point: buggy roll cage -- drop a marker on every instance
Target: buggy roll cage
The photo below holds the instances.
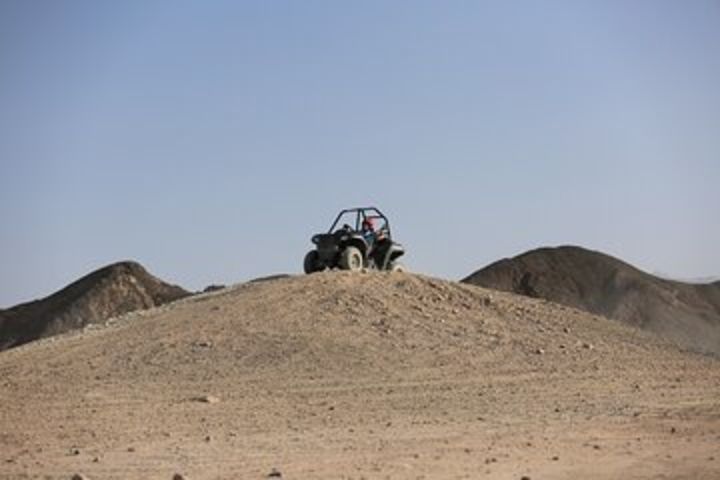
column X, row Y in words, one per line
column 361, row 214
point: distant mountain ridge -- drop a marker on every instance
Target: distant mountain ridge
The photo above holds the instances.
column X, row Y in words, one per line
column 112, row 290
column 685, row 313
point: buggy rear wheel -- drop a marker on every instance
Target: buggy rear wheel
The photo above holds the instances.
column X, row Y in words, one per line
column 397, row 267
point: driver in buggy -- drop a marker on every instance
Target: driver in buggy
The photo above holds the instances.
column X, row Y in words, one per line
column 374, row 239
column 368, row 232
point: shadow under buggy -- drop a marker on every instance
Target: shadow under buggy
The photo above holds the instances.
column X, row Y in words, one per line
column 358, row 238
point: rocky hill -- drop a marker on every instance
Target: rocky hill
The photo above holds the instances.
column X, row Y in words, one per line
column 341, row 375
column 687, row 314
column 113, row 290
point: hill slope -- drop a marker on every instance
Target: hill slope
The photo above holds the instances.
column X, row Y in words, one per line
column 338, row 375
column 113, row 290
column 687, row 314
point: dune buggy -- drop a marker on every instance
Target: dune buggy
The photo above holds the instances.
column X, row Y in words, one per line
column 358, row 238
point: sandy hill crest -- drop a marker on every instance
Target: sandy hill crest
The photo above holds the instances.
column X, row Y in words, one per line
column 341, row 375
column 112, row 290
column 687, row 314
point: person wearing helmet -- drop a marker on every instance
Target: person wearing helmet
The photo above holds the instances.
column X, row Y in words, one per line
column 375, row 239
column 368, row 232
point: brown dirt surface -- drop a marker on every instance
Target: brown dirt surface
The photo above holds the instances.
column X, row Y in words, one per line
column 684, row 313
column 350, row 376
column 112, row 290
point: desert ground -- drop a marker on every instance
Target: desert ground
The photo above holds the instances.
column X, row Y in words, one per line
column 358, row 375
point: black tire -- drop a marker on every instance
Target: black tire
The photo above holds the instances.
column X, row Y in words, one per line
column 312, row 262
column 351, row 259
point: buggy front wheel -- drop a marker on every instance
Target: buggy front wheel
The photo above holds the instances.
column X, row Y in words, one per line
column 351, row 259
column 312, row 262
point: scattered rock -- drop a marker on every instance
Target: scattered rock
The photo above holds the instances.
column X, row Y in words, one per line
column 207, row 399
column 555, row 458
column 179, row 476
column 539, row 351
column 673, row 430
column 74, row 451
column 204, row 344
column 79, row 476
column 588, row 346
column 566, row 330
column 525, row 477
column 274, row 473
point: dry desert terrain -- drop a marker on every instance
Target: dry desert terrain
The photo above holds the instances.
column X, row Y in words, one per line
column 351, row 376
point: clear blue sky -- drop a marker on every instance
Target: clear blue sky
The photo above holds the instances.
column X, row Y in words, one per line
column 209, row 139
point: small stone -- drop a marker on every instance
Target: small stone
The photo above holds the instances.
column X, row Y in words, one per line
column 207, row 439
column 74, row 451
column 207, row 399
column 539, row 351
column 566, row 330
column 673, row 430
column 587, row 346
column 179, row 476
column 79, row 476
column 596, row 447
column 131, row 449
column 555, row 458
column 274, row 473
column 525, row 477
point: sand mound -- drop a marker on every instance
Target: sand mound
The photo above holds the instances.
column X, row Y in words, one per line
column 338, row 375
column 687, row 314
column 113, row 290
